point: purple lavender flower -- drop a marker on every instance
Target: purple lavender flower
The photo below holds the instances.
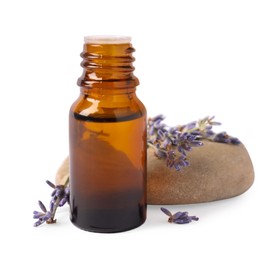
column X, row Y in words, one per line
column 44, row 216
column 59, row 197
column 173, row 143
column 186, row 141
column 172, row 160
column 60, row 193
column 179, row 217
column 164, row 139
column 155, row 123
column 190, row 125
column 223, row 137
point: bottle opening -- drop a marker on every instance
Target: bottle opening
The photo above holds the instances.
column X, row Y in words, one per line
column 107, row 39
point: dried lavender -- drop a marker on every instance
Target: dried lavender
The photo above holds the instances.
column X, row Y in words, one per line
column 163, row 139
column 223, row 137
column 173, row 143
column 179, row 217
column 59, row 197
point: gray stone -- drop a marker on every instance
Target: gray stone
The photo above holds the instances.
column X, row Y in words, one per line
column 217, row 171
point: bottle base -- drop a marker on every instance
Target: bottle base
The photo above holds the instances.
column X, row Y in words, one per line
column 109, row 220
column 107, row 230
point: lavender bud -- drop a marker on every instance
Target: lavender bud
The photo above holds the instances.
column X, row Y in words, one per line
column 173, row 130
column 160, row 134
column 151, row 130
column 177, row 167
column 52, row 206
column 197, row 143
column 54, row 199
column 179, row 214
column 157, row 125
column 38, row 215
column 51, row 184
column 174, row 141
column 165, row 143
column 182, row 221
column 196, row 132
column 171, row 155
column 38, row 223
column 186, row 163
column 169, row 163
column 209, row 133
column 158, row 117
column 42, row 219
column 41, row 205
column 62, row 202
column 59, row 192
column 187, row 147
column 166, row 212
column 183, row 136
column 191, row 125
column 160, row 153
column 235, row 140
column 191, row 138
column 179, row 217
column 182, row 150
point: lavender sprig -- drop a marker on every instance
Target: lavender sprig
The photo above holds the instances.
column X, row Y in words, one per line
column 179, row 217
column 223, row 137
column 173, row 143
column 163, row 139
column 203, row 129
column 59, row 197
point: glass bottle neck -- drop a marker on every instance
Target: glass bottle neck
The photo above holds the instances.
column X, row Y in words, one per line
column 108, row 69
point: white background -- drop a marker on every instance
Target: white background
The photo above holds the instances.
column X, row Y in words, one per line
column 193, row 58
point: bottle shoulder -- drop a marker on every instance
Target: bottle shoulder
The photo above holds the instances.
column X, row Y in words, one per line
column 108, row 108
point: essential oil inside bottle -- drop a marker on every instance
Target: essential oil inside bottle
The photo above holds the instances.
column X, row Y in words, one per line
column 107, row 142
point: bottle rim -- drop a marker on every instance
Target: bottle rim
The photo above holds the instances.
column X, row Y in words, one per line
column 107, row 39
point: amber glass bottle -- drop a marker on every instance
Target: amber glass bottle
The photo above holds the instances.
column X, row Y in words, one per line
column 107, row 130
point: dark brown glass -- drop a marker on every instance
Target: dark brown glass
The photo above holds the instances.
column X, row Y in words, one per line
column 107, row 126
